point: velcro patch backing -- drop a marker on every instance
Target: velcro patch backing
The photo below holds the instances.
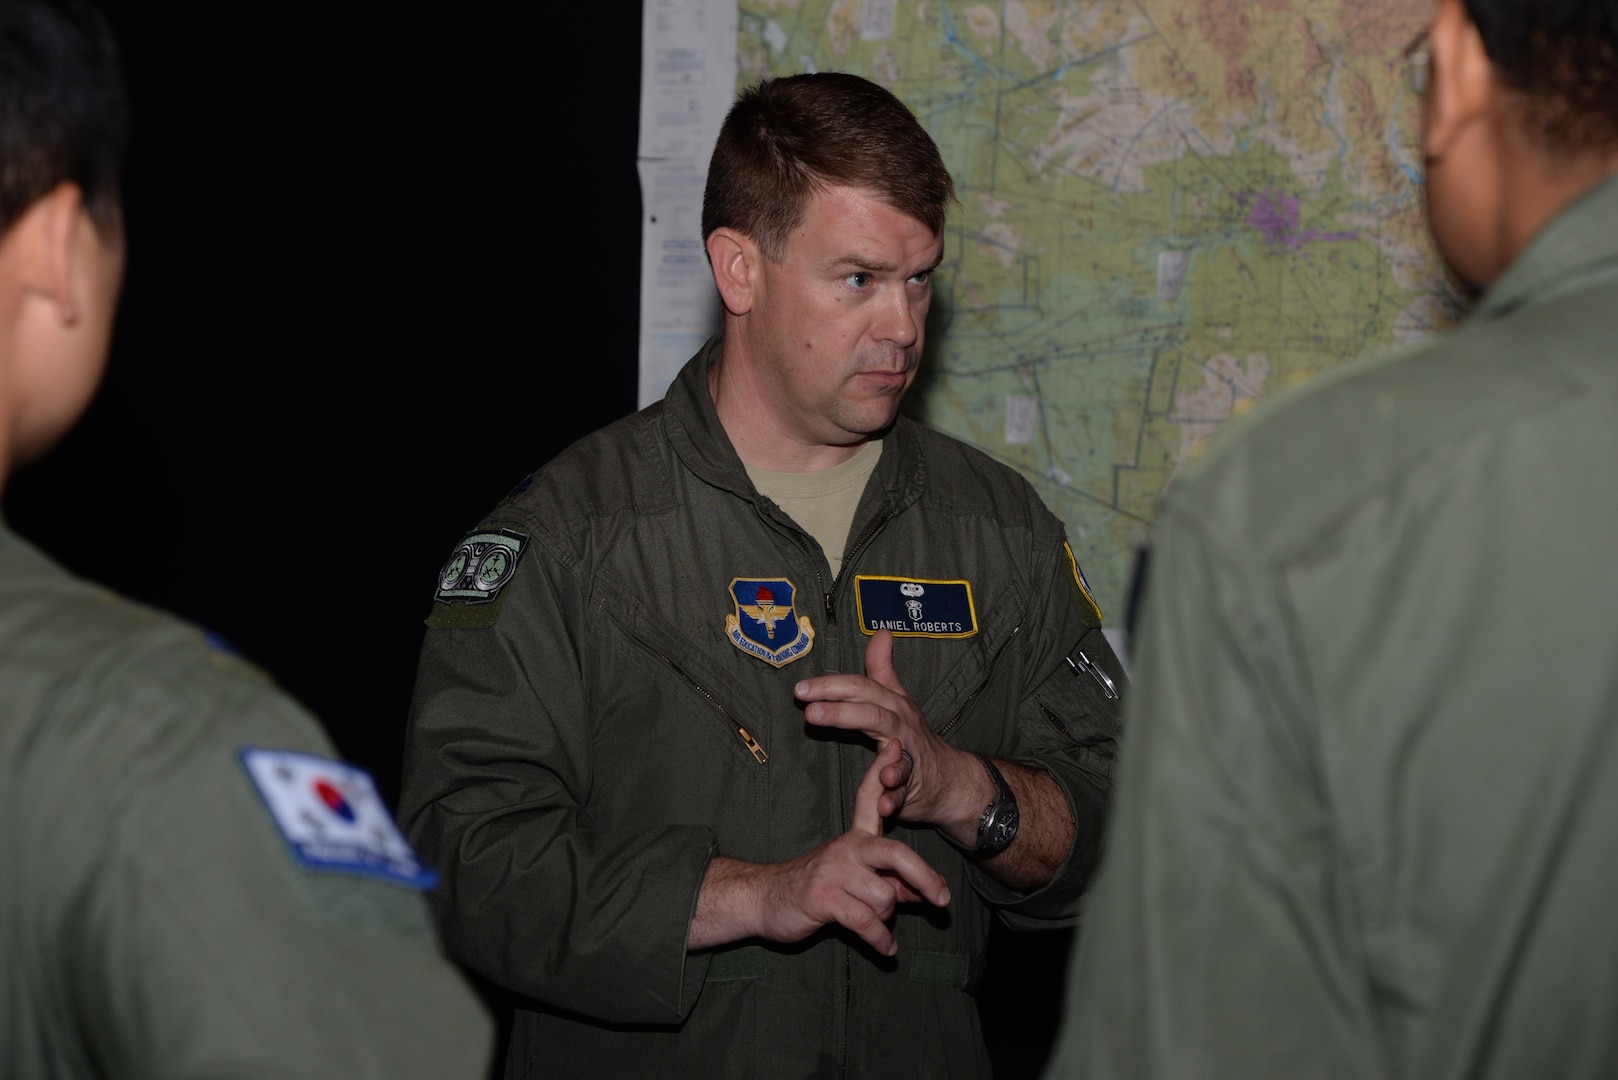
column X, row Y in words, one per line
column 471, row 586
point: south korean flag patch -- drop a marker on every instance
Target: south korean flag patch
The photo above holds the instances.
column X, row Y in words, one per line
column 332, row 817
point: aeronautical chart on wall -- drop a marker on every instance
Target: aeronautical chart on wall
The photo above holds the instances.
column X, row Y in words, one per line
column 1167, row 210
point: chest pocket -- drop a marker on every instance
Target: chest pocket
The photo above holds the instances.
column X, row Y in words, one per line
column 949, row 637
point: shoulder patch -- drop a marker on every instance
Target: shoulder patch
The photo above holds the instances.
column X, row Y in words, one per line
column 915, row 607
column 480, row 566
column 332, row 817
column 1086, row 601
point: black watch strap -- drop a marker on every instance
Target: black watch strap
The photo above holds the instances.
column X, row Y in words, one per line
column 997, row 826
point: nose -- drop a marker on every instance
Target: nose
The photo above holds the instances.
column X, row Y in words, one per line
column 902, row 319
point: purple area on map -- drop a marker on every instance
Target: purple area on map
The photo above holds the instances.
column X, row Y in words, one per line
column 1275, row 214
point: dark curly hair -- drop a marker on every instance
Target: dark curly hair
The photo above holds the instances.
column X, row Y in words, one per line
column 1561, row 59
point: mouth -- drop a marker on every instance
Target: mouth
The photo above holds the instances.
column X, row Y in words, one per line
column 885, row 382
column 898, row 366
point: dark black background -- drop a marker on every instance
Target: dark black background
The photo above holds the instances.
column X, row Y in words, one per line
column 383, row 260
column 380, row 265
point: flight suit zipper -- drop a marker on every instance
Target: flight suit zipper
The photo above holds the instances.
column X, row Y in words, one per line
column 848, row 950
column 829, row 602
column 831, row 618
column 848, row 560
column 828, row 596
column 752, row 744
column 943, row 732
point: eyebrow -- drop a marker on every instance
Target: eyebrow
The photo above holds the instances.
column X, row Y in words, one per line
column 850, row 263
column 855, row 262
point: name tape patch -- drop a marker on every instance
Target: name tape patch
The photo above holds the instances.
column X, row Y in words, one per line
column 764, row 622
column 480, row 567
column 332, row 816
column 915, row 607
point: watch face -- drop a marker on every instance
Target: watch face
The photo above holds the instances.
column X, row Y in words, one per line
column 1003, row 830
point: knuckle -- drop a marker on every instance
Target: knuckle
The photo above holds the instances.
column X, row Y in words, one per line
column 861, row 919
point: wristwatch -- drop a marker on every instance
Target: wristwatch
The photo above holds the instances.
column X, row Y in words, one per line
column 997, row 828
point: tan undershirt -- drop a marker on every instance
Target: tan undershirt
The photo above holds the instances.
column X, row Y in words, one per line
column 823, row 502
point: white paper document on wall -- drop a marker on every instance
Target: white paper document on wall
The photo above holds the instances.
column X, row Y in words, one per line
column 688, row 80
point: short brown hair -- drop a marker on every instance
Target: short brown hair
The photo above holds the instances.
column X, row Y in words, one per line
column 786, row 139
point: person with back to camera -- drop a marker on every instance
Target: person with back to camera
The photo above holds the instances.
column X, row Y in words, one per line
column 193, row 887
column 674, row 818
column 1366, row 806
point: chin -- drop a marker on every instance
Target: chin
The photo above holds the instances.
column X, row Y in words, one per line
column 1464, row 250
column 853, row 430
column 33, row 445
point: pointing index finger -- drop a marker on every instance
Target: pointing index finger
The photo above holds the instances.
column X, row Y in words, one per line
column 867, row 816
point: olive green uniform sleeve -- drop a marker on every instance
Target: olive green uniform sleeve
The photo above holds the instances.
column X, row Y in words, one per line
column 175, row 936
column 215, row 955
column 546, row 890
column 1066, row 722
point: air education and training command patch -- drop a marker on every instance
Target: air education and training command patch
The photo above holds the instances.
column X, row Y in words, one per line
column 915, row 607
column 332, row 817
column 764, row 625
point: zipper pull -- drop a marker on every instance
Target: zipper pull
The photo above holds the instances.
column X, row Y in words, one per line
column 752, row 744
column 831, row 610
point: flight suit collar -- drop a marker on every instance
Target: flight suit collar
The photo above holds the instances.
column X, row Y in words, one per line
column 1580, row 240
column 700, row 442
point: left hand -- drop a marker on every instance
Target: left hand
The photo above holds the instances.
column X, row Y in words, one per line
column 916, row 788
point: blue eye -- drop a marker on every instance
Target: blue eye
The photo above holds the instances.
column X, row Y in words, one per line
column 922, row 278
column 859, row 280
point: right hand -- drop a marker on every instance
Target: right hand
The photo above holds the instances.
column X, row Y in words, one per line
column 855, row 880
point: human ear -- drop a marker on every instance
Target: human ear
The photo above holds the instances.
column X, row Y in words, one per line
column 1462, row 85
column 733, row 256
column 47, row 235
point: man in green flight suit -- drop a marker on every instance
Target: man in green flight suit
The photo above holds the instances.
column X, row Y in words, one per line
column 192, row 886
column 1365, row 822
column 739, row 723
